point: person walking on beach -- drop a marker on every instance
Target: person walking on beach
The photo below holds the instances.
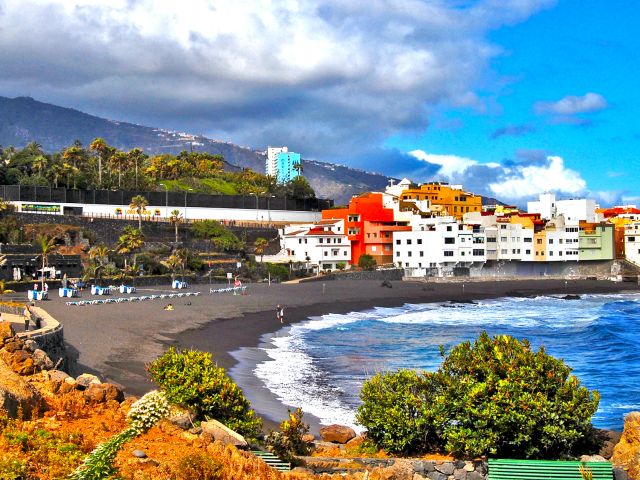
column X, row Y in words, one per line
column 280, row 313
column 27, row 317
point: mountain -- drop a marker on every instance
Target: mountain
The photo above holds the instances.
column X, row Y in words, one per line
column 23, row 120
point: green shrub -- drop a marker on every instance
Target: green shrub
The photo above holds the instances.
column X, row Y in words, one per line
column 191, row 380
column 288, row 442
column 222, row 238
column 367, row 262
column 493, row 397
column 198, row 466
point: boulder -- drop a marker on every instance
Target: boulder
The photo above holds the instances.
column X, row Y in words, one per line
column 337, row 433
column 218, row 431
column 18, row 395
column 592, row 458
column 6, row 332
column 626, row 454
column 83, row 381
column 42, row 360
column 181, row 418
column 58, row 376
column 608, row 440
column 308, row 438
column 13, row 345
column 31, row 345
column 19, row 361
column 102, row 392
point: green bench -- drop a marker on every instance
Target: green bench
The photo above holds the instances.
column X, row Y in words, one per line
column 506, row 469
column 271, row 460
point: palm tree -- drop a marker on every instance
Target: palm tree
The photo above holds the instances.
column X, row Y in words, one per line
column 104, row 152
column 4, row 290
column 136, row 156
column 173, row 264
column 129, row 242
column 176, row 219
column 46, row 246
column 99, row 254
column 40, row 164
column 139, row 204
column 73, row 155
column 260, row 244
column 298, row 168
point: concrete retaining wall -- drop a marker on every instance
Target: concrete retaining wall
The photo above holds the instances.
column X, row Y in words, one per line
column 379, row 275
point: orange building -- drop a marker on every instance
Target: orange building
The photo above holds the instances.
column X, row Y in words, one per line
column 620, row 217
column 369, row 226
column 448, row 199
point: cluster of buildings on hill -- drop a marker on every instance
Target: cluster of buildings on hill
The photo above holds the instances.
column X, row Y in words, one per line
column 436, row 229
column 282, row 164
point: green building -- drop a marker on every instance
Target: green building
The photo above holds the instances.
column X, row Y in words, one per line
column 596, row 241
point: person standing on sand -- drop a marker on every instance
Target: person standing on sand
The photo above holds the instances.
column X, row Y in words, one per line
column 27, row 317
column 280, row 313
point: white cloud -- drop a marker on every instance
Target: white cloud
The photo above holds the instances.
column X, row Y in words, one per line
column 572, row 105
column 451, row 165
column 525, row 181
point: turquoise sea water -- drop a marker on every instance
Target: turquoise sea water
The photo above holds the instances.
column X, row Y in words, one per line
column 321, row 364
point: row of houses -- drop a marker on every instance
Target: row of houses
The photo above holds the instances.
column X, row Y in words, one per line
column 439, row 229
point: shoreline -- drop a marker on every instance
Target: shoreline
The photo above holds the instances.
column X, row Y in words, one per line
column 115, row 341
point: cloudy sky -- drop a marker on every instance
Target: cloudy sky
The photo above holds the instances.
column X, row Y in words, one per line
column 508, row 97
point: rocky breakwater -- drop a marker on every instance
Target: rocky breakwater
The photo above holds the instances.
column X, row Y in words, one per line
column 626, row 454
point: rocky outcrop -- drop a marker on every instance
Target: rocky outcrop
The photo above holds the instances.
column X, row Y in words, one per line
column 102, row 392
column 16, row 395
column 217, row 431
column 22, row 356
column 337, row 434
column 626, row 454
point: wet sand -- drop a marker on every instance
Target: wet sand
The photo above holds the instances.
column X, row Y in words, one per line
column 116, row 341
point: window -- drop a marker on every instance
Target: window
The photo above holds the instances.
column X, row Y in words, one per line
column 551, row 241
column 353, row 218
column 559, row 254
column 449, row 228
column 513, row 251
column 293, row 252
column 491, row 239
column 374, row 248
column 503, row 239
column 299, row 240
column 397, row 254
column 449, row 240
column 398, row 242
column 408, row 241
column 421, row 253
column 409, row 253
column 406, row 264
column 539, row 241
column 478, row 252
column 387, row 247
column 527, row 252
column 448, row 253
column 503, row 227
column 551, row 254
column 419, row 241
column 632, row 239
column 345, row 253
column 326, row 254
column 528, row 239
column 560, row 241
column 462, row 239
column 320, row 240
column 503, row 251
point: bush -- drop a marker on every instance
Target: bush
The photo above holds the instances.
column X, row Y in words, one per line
column 191, row 380
column 198, row 466
column 367, row 262
column 288, row 442
column 493, row 397
column 222, row 238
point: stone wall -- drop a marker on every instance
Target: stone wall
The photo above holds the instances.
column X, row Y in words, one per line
column 379, row 275
column 401, row 468
column 50, row 337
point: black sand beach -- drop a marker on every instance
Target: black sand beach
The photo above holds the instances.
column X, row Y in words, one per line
column 115, row 341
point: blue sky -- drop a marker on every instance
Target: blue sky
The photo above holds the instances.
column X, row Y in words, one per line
column 508, row 97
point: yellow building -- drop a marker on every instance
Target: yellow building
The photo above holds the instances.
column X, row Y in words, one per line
column 448, row 199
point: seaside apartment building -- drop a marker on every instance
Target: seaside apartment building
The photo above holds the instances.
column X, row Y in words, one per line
column 370, row 221
column 444, row 199
column 438, row 247
column 321, row 246
column 582, row 209
column 632, row 241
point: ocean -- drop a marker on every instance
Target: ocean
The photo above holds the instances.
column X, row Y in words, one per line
column 321, row 364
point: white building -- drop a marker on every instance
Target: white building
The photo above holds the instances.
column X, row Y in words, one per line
column 321, row 246
column 632, row 242
column 271, row 165
column 573, row 210
column 437, row 246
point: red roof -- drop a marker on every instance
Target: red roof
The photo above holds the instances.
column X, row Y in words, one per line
column 319, row 231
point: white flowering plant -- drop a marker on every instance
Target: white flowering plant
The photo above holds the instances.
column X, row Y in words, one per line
column 143, row 415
